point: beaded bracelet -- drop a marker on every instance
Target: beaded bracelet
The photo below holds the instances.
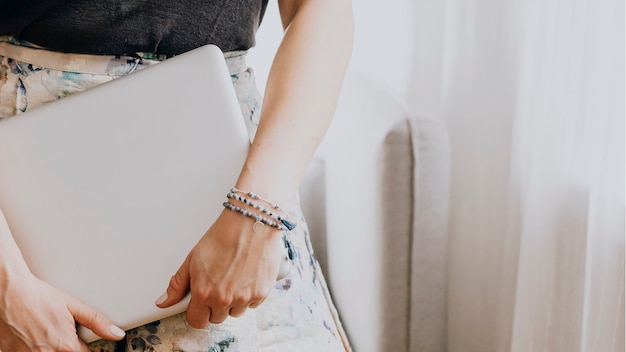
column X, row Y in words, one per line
column 259, row 219
column 255, row 196
column 284, row 225
column 290, row 225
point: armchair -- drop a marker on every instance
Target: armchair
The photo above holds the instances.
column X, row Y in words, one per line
column 376, row 199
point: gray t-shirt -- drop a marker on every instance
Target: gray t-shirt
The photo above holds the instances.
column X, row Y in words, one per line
column 124, row 27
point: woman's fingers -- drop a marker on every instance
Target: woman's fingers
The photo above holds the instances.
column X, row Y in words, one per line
column 237, row 311
column 94, row 320
column 178, row 286
column 37, row 316
column 231, row 268
column 198, row 313
column 218, row 315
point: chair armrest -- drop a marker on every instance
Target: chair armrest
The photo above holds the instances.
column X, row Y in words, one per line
column 367, row 242
column 380, row 167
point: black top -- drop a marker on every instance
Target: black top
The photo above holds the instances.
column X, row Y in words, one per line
column 118, row 27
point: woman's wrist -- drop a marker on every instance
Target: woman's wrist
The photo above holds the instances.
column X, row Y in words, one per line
column 12, row 265
column 12, row 270
column 264, row 216
column 12, row 262
column 259, row 208
column 276, row 183
column 276, row 173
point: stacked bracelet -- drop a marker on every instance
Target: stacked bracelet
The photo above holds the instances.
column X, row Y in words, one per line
column 282, row 223
column 255, row 216
column 288, row 224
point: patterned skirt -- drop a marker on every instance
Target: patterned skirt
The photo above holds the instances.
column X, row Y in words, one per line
column 298, row 314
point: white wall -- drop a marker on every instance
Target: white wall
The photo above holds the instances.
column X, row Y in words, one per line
column 382, row 48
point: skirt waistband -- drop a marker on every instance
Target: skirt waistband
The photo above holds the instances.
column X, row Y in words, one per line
column 98, row 64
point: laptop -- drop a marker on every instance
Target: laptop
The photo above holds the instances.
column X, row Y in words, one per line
column 107, row 191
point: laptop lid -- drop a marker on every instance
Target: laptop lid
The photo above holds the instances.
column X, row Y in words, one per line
column 106, row 191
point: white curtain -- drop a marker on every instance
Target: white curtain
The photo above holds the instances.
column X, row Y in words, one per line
column 532, row 92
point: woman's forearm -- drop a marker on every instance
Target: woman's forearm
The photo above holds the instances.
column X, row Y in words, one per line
column 301, row 95
column 11, row 260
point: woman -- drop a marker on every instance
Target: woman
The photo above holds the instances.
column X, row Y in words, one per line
column 232, row 269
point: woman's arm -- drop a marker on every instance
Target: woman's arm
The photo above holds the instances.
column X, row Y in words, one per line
column 301, row 95
column 232, row 267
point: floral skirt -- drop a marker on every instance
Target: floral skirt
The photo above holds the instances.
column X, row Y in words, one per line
column 298, row 314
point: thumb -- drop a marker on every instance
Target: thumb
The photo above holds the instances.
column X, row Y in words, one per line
column 94, row 320
column 178, row 287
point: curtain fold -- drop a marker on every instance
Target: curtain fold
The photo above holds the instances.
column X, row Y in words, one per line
column 532, row 92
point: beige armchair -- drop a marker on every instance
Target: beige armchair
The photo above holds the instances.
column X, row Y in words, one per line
column 376, row 199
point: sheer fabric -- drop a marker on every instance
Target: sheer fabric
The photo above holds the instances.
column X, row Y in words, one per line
column 532, row 92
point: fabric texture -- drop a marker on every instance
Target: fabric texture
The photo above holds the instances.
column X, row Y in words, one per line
column 104, row 27
column 298, row 314
column 532, row 92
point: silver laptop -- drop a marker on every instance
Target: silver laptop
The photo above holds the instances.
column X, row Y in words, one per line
column 106, row 191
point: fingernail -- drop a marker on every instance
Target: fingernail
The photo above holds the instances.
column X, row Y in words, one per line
column 161, row 299
column 116, row 331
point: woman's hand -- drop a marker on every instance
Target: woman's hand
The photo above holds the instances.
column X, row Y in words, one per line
column 35, row 316
column 232, row 268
